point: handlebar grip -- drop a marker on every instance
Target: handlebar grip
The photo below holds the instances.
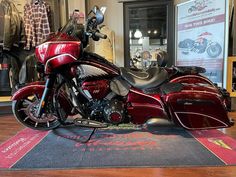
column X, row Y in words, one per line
column 100, row 35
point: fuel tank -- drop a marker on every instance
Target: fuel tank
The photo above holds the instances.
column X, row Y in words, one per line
column 95, row 66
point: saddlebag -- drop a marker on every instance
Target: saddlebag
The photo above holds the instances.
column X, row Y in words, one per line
column 198, row 107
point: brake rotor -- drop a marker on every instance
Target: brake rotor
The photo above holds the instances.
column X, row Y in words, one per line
column 31, row 112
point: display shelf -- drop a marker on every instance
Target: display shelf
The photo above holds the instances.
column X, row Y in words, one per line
column 5, row 98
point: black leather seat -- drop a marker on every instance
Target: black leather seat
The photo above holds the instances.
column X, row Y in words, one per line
column 151, row 78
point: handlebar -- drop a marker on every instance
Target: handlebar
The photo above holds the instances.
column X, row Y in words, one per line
column 100, row 35
column 96, row 35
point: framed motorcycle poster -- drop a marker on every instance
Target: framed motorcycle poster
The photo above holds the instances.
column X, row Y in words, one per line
column 201, row 36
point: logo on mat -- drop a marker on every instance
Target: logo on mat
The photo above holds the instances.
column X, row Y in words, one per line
column 220, row 143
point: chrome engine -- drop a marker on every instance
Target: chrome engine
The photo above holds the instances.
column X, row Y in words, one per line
column 110, row 111
column 114, row 112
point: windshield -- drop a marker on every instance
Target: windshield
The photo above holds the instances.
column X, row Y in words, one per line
column 73, row 29
column 68, row 28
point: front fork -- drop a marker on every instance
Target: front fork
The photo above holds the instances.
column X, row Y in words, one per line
column 47, row 91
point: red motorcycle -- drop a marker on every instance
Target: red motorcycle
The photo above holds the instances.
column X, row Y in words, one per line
column 84, row 89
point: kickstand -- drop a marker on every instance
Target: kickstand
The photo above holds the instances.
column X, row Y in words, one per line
column 89, row 137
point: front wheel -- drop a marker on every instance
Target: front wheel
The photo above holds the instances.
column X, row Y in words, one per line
column 214, row 50
column 25, row 110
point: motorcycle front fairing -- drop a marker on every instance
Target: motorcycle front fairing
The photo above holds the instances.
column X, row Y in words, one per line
column 197, row 107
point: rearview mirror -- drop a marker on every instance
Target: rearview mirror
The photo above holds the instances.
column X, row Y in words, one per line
column 99, row 14
column 103, row 9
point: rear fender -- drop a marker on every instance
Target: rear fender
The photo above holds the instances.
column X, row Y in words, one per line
column 38, row 89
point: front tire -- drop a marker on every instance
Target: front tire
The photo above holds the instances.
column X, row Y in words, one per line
column 214, row 50
column 25, row 109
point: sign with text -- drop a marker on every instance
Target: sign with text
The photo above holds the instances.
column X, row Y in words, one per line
column 201, row 36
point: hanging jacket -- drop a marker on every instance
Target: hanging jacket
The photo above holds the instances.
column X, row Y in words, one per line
column 36, row 22
column 2, row 19
column 11, row 25
column 5, row 85
column 9, row 72
column 28, row 72
column 18, row 20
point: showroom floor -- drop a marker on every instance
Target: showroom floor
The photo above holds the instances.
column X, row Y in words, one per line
column 9, row 126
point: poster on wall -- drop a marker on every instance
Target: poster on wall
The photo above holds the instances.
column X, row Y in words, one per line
column 201, row 36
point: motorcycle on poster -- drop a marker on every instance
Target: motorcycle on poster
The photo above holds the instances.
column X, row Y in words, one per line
column 201, row 36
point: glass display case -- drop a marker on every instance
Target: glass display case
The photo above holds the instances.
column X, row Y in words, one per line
column 147, row 32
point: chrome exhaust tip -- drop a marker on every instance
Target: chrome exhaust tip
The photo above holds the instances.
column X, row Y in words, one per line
column 157, row 122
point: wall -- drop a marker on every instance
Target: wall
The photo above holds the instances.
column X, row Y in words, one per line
column 76, row 4
column 63, row 12
column 114, row 20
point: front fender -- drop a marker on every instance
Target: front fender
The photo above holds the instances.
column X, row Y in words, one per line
column 28, row 90
column 24, row 92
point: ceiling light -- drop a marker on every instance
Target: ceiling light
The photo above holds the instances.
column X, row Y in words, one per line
column 155, row 32
column 140, row 41
column 149, row 31
column 138, row 34
column 130, row 34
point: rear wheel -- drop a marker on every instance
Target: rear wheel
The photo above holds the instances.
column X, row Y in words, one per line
column 25, row 110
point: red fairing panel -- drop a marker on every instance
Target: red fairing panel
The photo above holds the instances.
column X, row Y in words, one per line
column 142, row 107
column 59, row 51
column 196, row 109
column 57, row 45
column 97, row 89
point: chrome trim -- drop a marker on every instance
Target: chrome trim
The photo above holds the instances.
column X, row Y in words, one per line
column 99, row 66
column 58, row 42
column 148, row 105
column 176, row 114
column 186, row 91
column 89, row 70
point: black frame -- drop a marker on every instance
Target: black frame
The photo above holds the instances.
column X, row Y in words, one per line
column 170, row 26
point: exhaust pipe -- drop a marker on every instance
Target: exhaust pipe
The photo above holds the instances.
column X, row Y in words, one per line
column 157, row 122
